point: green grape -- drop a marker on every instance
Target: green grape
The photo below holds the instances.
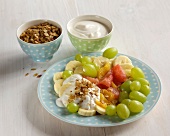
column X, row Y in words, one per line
column 86, row 60
column 135, row 106
column 122, row 111
column 72, row 107
column 123, row 95
column 89, row 70
column 95, row 65
column 66, row 74
column 142, row 81
column 126, row 102
column 110, row 53
column 135, row 95
column 145, row 89
column 111, row 110
column 137, row 73
column 78, row 57
column 126, row 86
column 135, row 86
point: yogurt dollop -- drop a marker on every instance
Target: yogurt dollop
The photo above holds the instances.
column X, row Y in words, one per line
column 89, row 29
column 84, row 98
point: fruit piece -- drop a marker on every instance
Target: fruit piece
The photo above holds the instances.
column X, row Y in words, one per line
column 137, row 73
column 122, row 111
column 135, row 95
column 101, row 61
column 126, row 86
column 111, row 110
column 135, row 106
column 78, row 57
column 57, row 85
column 145, row 89
column 59, row 103
column 125, row 63
column 106, row 81
column 122, row 60
column 95, row 65
column 127, row 72
column 57, row 76
column 108, row 95
column 66, row 74
column 126, row 102
column 135, row 86
column 115, row 91
column 103, row 105
column 93, row 80
column 89, row 70
column 72, row 107
column 119, row 75
column 63, row 88
column 86, row 60
column 72, row 65
column 103, row 100
column 110, row 53
column 79, row 70
column 113, row 85
column 103, row 70
column 123, row 95
column 84, row 112
column 127, row 68
column 142, row 81
column 100, row 110
column 93, row 57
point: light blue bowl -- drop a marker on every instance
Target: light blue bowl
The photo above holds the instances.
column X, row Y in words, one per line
column 47, row 97
column 39, row 52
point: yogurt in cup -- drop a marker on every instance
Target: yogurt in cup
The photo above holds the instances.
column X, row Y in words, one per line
column 89, row 33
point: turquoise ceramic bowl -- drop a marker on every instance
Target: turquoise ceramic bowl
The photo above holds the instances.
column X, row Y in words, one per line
column 39, row 52
column 89, row 44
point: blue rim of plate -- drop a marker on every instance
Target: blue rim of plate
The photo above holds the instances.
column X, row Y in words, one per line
column 47, row 97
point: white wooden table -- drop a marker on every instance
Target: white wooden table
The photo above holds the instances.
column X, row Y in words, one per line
column 142, row 30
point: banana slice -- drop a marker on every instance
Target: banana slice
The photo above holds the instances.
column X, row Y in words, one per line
column 57, row 76
column 127, row 65
column 72, row 65
column 127, row 68
column 127, row 72
column 84, row 112
column 79, row 70
column 57, row 85
column 59, row 103
column 122, row 60
column 63, row 88
column 101, row 61
column 100, row 110
column 93, row 57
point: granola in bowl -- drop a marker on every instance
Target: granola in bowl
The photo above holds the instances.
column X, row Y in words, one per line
column 41, row 33
column 40, row 39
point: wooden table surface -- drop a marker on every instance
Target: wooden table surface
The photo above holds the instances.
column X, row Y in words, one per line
column 142, row 30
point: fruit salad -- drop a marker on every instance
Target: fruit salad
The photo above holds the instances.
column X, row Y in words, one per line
column 109, row 84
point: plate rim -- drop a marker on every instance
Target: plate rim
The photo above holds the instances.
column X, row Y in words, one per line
column 100, row 125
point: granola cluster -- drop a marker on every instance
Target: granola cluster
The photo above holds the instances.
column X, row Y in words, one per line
column 41, row 33
column 82, row 89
